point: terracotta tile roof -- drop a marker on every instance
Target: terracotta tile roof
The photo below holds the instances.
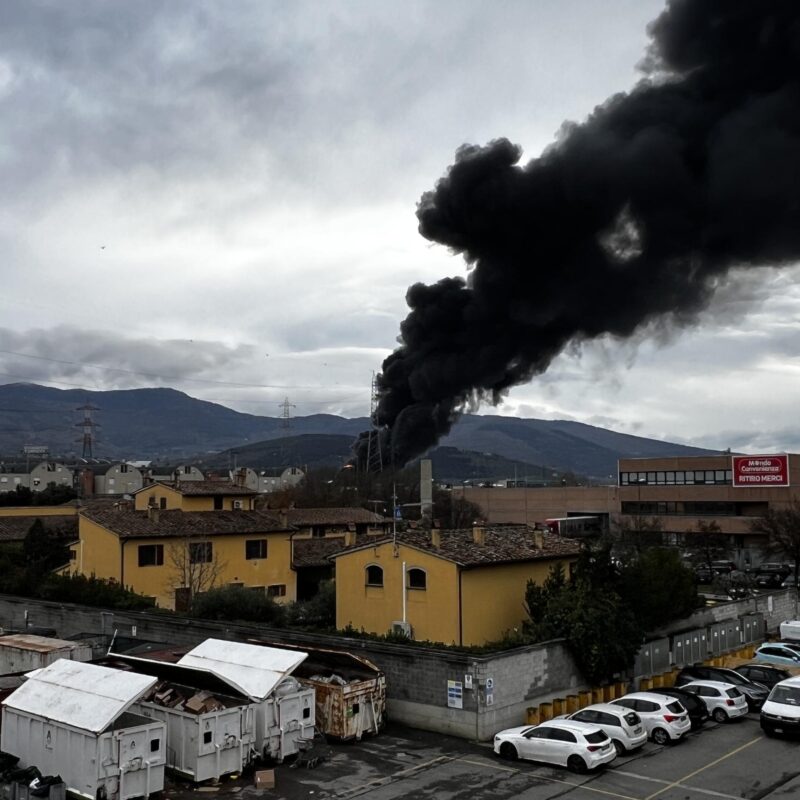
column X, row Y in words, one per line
column 301, row 517
column 502, row 544
column 201, row 488
column 316, row 552
column 177, row 523
column 14, row 529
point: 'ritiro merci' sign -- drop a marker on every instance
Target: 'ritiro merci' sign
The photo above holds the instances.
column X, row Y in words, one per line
column 761, row 470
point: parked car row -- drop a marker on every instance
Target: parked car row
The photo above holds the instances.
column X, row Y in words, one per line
column 768, row 575
column 596, row 735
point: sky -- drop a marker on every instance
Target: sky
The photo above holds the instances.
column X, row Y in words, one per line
column 220, row 198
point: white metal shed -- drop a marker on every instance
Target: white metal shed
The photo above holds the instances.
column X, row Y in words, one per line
column 73, row 719
column 23, row 652
column 285, row 709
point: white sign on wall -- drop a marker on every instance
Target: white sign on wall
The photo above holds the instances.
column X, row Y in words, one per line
column 455, row 694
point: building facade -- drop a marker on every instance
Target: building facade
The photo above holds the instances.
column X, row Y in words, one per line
column 679, row 495
column 170, row 555
column 462, row 587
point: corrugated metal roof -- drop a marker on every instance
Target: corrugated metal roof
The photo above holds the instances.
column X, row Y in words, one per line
column 39, row 644
column 84, row 696
column 254, row 669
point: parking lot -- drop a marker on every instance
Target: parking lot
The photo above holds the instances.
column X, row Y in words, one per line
column 725, row 761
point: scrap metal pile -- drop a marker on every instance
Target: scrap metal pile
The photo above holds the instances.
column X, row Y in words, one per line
column 183, row 698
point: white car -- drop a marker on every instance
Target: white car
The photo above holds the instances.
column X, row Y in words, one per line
column 723, row 700
column 575, row 745
column 664, row 718
column 780, row 714
column 623, row 726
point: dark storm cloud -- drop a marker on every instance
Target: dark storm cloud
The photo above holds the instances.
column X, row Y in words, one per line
column 136, row 85
column 634, row 216
column 101, row 360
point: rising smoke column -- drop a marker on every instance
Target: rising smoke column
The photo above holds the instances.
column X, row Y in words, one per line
column 636, row 214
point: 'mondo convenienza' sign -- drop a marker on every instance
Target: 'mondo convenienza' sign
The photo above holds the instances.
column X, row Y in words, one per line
column 761, row 470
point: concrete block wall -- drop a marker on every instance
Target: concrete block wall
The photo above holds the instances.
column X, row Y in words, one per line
column 416, row 677
column 505, row 684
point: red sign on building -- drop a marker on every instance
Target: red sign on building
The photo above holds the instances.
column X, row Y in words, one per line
column 761, row 470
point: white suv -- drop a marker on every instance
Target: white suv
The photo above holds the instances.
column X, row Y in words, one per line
column 623, row 726
column 723, row 700
column 664, row 718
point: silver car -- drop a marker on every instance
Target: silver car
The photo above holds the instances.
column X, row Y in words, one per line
column 665, row 719
column 724, row 701
column 623, row 726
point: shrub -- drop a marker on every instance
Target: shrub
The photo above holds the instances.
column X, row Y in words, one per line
column 236, row 603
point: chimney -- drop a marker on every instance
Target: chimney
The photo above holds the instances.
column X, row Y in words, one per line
column 283, row 518
column 436, row 538
column 152, row 514
column 349, row 538
column 538, row 538
column 479, row 534
column 426, row 487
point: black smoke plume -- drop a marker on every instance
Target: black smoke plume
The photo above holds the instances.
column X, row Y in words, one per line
column 634, row 215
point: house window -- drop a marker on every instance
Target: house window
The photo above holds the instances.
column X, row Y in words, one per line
column 417, row 579
column 155, row 745
column 374, row 575
column 200, row 552
column 255, row 548
column 151, row 555
column 162, row 502
column 317, row 531
column 276, row 590
column 123, row 467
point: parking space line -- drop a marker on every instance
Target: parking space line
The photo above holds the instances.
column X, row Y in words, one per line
column 552, row 780
column 713, row 763
column 709, row 792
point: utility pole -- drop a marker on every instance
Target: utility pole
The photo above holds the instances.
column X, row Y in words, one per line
column 88, row 425
column 287, row 414
column 374, row 461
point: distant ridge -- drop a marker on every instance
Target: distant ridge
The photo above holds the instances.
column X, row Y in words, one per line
column 165, row 424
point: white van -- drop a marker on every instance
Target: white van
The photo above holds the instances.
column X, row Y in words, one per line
column 790, row 630
column 781, row 711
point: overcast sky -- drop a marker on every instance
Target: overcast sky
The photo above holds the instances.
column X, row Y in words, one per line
column 220, row 197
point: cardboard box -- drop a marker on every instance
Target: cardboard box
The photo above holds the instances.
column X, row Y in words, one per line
column 265, row 779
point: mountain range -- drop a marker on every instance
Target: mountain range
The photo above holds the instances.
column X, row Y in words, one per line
column 168, row 425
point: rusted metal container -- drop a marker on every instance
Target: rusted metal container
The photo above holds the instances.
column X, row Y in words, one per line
column 349, row 690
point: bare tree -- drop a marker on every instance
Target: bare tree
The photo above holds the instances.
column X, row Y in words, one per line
column 707, row 544
column 194, row 568
column 634, row 533
column 780, row 528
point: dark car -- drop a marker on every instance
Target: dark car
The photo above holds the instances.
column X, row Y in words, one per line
column 761, row 673
column 768, row 580
column 755, row 693
column 694, row 705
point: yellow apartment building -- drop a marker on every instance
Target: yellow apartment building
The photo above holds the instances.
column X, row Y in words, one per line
column 194, row 496
column 171, row 554
column 463, row 587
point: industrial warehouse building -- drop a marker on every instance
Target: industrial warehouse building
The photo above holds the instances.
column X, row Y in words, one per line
column 680, row 493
